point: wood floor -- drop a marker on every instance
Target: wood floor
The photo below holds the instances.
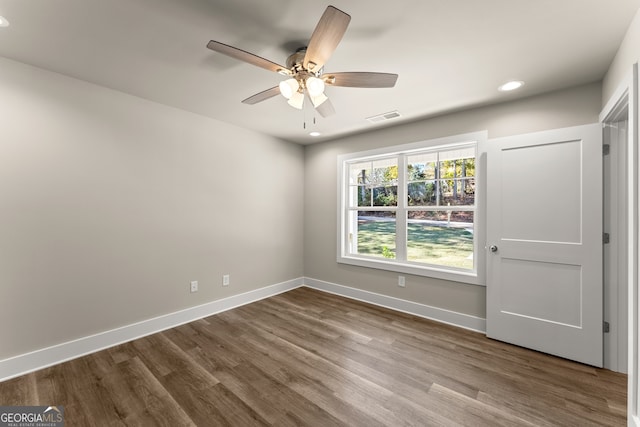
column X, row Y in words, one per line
column 310, row 358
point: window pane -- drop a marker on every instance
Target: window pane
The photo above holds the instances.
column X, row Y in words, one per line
column 374, row 183
column 422, row 166
column 375, row 235
column 361, row 194
column 385, row 196
column 385, row 172
column 422, row 193
column 457, row 168
column 441, row 238
column 447, row 169
column 359, row 173
column 444, row 178
column 469, row 166
column 457, row 192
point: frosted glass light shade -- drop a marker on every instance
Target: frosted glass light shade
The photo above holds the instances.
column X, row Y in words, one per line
column 315, row 86
column 317, row 100
column 288, row 88
column 296, row 100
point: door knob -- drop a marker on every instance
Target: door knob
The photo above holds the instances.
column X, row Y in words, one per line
column 493, row 248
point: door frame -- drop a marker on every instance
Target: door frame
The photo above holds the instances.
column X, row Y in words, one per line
column 615, row 125
column 628, row 92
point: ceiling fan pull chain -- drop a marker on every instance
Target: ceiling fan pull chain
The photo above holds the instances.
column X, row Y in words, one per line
column 304, row 118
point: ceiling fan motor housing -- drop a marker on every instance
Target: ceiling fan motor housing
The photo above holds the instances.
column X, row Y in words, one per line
column 295, row 64
column 295, row 60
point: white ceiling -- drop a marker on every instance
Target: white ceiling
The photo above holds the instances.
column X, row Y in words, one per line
column 449, row 54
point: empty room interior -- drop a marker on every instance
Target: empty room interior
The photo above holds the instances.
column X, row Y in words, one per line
column 218, row 212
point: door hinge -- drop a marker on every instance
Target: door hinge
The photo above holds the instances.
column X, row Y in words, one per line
column 605, row 327
column 605, row 238
column 606, row 148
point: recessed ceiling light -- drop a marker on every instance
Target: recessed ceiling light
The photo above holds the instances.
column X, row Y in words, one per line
column 3, row 22
column 512, row 85
column 314, row 133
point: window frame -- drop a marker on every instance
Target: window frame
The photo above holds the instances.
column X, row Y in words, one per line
column 402, row 152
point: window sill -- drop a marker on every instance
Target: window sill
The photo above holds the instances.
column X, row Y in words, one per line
column 470, row 277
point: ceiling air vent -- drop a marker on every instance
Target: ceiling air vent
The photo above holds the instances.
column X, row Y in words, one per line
column 382, row 117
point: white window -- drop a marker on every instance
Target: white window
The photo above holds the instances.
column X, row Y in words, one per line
column 414, row 209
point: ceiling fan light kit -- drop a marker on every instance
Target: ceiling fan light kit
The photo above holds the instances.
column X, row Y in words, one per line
column 305, row 67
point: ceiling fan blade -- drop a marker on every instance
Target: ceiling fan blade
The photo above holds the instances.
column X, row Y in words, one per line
column 262, row 96
column 325, row 37
column 326, row 109
column 245, row 56
column 360, row 79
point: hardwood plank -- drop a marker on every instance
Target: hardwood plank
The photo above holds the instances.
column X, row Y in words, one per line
column 464, row 410
column 138, row 398
column 250, row 383
column 311, row 358
column 21, row 391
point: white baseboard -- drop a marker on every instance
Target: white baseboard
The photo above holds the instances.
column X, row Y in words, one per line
column 39, row 359
column 465, row 321
column 43, row 358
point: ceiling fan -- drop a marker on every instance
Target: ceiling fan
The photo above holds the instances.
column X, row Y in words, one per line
column 305, row 67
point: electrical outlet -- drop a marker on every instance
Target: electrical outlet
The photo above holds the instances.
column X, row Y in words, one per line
column 226, row 280
column 194, row 286
column 401, row 281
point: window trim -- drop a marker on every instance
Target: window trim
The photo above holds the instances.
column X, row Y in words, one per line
column 476, row 277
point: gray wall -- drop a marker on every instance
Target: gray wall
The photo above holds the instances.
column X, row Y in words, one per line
column 572, row 107
column 110, row 205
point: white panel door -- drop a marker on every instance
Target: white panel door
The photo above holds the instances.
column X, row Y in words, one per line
column 544, row 237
